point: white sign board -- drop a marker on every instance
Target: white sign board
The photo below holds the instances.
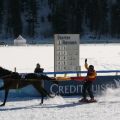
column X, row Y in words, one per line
column 66, row 52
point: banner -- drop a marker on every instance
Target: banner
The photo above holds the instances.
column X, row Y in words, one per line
column 74, row 87
column 68, row 87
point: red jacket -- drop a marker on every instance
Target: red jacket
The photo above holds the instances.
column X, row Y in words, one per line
column 91, row 74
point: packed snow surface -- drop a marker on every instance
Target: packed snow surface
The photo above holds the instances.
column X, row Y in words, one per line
column 24, row 58
column 59, row 108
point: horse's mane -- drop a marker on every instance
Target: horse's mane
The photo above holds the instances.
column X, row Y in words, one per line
column 4, row 71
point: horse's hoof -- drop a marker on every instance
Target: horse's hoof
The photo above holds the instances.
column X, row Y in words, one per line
column 41, row 103
column 2, row 105
column 52, row 95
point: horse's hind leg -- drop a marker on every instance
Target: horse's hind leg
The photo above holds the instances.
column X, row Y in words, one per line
column 41, row 90
column 6, row 95
column 46, row 93
column 42, row 98
column 43, row 93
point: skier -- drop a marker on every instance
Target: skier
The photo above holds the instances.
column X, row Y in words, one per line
column 87, row 85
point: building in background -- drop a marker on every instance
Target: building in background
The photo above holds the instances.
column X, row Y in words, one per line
column 20, row 41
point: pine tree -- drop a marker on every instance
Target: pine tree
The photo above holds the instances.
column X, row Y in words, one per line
column 32, row 18
column 1, row 15
column 115, row 20
column 14, row 20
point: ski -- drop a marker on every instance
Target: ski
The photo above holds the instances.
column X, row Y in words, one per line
column 85, row 102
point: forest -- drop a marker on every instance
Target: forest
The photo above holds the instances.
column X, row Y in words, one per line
column 35, row 18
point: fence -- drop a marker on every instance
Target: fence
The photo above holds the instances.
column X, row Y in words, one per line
column 100, row 72
column 72, row 87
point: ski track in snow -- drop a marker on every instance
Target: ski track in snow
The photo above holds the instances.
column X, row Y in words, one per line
column 63, row 108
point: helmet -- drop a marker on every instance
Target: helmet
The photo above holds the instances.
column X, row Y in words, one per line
column 91, row 67
column 38, row 65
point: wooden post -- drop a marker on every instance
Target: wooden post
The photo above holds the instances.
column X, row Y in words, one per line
column 116, row 73
column 54, row 74
column 78, row 69
column 65, row 75
column 14, row 69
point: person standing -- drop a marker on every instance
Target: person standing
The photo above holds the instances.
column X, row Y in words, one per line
column 88, row 82
column 38, row 69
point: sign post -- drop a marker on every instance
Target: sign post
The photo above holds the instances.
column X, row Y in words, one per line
column 66, row 52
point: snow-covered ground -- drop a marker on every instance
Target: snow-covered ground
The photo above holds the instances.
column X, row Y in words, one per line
column 103, row 56
column 58, row 108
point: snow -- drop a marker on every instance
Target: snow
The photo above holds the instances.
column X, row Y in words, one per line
column 103, row 56
column 60, row 108
column 24, row 58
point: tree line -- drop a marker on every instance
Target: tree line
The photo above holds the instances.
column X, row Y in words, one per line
column 97, row 17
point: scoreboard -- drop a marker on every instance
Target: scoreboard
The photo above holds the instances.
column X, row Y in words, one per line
column 66, row 52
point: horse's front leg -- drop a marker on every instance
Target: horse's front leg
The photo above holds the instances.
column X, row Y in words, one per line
column 6, row 95
column 2, row 88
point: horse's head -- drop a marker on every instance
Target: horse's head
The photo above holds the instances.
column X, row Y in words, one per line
column 4, row 72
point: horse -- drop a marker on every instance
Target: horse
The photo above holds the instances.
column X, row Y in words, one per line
column 13, row 80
